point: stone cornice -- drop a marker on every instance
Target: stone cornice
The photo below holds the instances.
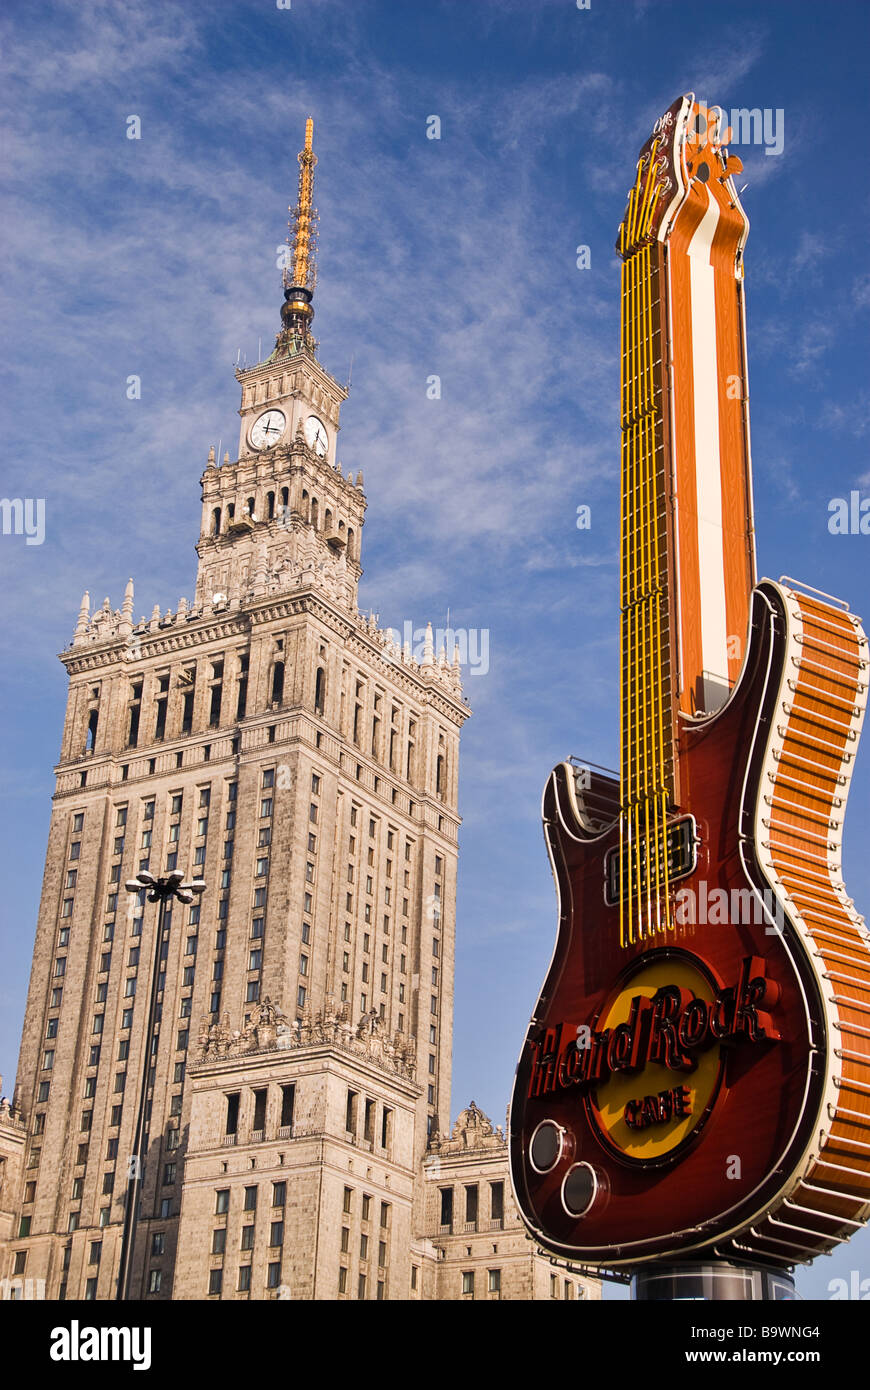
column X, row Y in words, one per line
column 268, row 1032
column 140, row 646
column 263, row 370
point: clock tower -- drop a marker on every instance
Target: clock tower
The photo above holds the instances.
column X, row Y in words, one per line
column 284, row 509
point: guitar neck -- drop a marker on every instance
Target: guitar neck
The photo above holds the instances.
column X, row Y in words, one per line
column 648, row 764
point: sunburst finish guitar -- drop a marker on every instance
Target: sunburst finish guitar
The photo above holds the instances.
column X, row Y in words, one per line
column 696, row 1074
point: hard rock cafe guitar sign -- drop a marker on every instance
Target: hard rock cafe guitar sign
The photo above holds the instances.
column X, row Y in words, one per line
column 696, row 1075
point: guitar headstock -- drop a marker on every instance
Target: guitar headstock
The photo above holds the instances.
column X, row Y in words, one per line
column 688, row 145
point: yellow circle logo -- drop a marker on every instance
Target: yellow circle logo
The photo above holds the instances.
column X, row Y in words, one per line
column 648, row 1111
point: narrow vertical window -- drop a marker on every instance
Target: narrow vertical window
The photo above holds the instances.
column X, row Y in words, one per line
column 242, row 697
column 133, row 716
column 232, row 1124
column 214, row 713
column 278, row 682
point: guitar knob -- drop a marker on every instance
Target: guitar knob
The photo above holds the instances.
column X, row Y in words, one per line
column 580, row 1187
column 549, row 1143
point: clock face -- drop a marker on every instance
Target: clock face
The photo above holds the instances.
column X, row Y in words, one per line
column 315, row 433
column 267, row 430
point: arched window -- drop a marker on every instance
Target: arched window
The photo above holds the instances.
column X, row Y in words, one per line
column 216, row 522
column 93, row 720
column 314, row 512
column 319, row 690
column 270, row 505
column 251, row 507
column 285, row 497
column 231, row 511
column 327, row 520
column 278, row 682
column 351, row 552
column 440, row 776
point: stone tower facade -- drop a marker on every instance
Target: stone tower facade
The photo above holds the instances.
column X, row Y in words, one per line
column 271, row 740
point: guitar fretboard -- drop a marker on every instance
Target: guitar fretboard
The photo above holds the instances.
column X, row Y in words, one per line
column 647, row 767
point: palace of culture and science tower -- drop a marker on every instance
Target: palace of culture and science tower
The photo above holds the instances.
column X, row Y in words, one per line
column 268, row 740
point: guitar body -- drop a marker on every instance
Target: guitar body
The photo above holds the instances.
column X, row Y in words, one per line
column 706, row 1086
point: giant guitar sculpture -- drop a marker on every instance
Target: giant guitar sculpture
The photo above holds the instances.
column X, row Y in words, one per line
column 696, row 1075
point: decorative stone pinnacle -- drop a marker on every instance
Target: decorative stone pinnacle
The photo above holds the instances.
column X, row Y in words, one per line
column 83, row 618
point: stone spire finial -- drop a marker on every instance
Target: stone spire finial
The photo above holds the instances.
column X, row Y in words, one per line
column 125, row 627
column 83, row 618
column 226, row 455
column 428, row 647
column 210, row 462
column 457, row 667
column 155, row 617
column 359, row 479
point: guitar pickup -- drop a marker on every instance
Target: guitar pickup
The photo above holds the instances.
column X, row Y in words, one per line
column 639, row 860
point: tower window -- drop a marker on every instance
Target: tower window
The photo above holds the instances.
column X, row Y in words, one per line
column 446, row 1206
column 278, row 682
column 242, row 700
column 232, row 1123
column 187, row 713
column 135, row 705
column 216, row 522
column 162, row 698
column 259, row 1110
column 288, row 1098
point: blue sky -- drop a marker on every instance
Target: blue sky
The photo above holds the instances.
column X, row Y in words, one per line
column 454, row 257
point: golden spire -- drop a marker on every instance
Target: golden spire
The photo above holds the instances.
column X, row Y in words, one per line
column 305, row 216
column 300, row 273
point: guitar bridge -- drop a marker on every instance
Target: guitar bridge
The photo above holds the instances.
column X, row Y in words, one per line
column 637, row 860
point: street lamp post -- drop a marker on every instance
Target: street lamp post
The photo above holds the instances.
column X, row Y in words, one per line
column 162, row 891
